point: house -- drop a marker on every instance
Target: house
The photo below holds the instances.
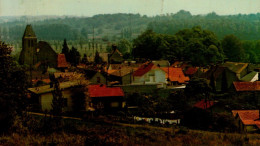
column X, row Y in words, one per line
column 239, row 68
column 175, row 75
column 149, row 73
column 119, row 66
column 124, row 75
column 106, row 98
column 220, row 78
column 116, row 57
column 99, row 78
column 251, row 77
column 41, row 97
column 247, row 120
column 104, row 57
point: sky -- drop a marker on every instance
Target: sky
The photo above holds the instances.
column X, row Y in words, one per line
column 144, row 7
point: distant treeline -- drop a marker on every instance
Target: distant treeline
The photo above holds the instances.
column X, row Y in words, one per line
column 245, row 27
column 128, row 26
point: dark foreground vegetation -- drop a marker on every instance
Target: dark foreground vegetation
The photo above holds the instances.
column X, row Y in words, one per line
column 102, row 131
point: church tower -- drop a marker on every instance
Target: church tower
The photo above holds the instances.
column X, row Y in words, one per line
column 29, row 45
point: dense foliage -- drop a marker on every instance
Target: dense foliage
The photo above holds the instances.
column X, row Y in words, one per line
column 201, row 47
column 13, row 88
column 72, row 56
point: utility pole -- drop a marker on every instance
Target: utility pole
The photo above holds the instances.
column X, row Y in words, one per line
column 93, row 43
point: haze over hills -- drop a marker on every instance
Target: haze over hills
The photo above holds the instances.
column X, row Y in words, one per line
column 121, row 25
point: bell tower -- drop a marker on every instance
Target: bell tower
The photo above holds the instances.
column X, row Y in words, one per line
column 29, row 45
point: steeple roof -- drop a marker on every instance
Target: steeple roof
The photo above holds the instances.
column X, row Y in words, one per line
column 29, row 32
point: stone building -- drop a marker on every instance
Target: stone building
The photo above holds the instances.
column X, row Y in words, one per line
column 34, row 52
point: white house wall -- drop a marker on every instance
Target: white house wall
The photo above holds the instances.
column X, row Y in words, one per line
column 46, row 101
column 255, row 78
column 159, row 77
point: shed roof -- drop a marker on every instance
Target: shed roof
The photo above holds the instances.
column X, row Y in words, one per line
column 175, row 74
column 203, row 104
column 247, row 86
column 122, row 72
column 236, row 67
column 248, row 117
column 46, row 88
column 104, row 91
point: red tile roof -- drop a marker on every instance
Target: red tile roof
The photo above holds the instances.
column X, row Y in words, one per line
column 176, row 74
column 191, row 70
column 62, row 61
column 104, row 91
column 44, row 80
column 248, row 117
column 247, row 86
column 146, row 67
column 204, row 104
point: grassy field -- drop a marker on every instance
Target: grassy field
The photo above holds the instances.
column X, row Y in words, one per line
column 98, row 132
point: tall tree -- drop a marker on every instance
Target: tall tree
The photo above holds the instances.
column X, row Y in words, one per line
column 232, row 48
column 57, row 105
column 97, row 59
column 65, row 50
column 74, row 56
column 147, row 46
column 124, row 46
column 84, row 59
column 13, row 88
column 201, row 47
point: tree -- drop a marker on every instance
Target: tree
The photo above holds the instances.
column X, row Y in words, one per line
column 65, row 50
column 147, row 46
column 198, row 88
column 124, row 46
column 84, row 59
column 74, row 56
column 84, row 33
column 201, row 47
column 97, row 59
column 178, row 101
column 57, row 105
column 13, row 88
column 233, row 49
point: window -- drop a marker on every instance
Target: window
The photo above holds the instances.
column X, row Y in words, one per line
column 114, row 104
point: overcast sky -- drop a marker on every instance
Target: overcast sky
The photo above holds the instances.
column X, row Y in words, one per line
column 147, row 7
